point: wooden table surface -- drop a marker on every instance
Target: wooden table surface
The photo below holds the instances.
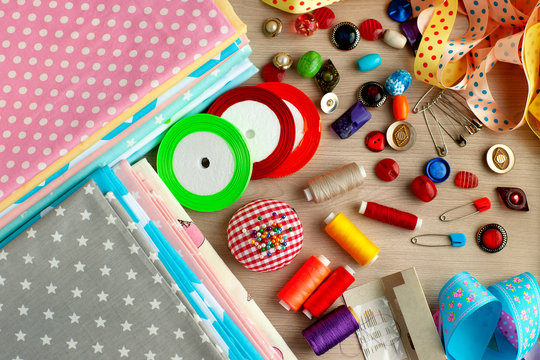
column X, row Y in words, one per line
column 434, row 265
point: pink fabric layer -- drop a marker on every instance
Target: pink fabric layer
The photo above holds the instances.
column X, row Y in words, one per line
column 68, row 68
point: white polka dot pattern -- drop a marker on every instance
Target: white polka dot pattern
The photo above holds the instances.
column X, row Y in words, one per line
column 69, row 67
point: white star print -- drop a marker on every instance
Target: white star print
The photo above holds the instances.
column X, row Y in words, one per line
column 123, row 352
column 187, row 95
column 17, row 358
column 197, row 318
column 176, row 357
column 23, row 310
column 98, row 348
column 57, row 237
column 179, row 334
column 128, row 300
column 126, row 326
column 54, row 263
column 45, row 340
column 100, row 322
column 108, row 245
column 155, row 304
column 2, row 280
column 26, row 284
column 102, row 296
column 28, row 259
column 130, row 143
column 153, row 256
column 204, row 338
column 76, row 292
column 85, row 215
column 131, row 275
column 105, row 270
column 1, row 305
column 159, row 119
column 150, row 355
column 3, row 255
column 131, row 226
column 51, row 289
column 20, row 335
column 181, row 308
column 110, row 196
column 48, row 314
column 60, row 211
column 31, row 233
column 134, row 249
column 89, row 189
column 82, row 241
column 157, row 278
column 74, row 318
column 152, row 330
column 110, row 219
column 79, row 267
column 72, row 344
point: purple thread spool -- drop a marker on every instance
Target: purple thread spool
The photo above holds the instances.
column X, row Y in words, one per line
column 352, row 120
column 331, row 330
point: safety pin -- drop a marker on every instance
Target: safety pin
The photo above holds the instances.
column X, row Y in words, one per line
column 457, row 240
column 441, row 150
column 481, row 205
column 460, row 140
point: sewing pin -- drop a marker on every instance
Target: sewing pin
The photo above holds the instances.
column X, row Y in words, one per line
column 457, row 240
column 481, row 205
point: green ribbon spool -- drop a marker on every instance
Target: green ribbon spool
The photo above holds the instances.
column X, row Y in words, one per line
column 205, row 123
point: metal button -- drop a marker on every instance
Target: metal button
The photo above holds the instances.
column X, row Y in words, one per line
column 401, row 135
column 272, row 27
column 329, row 103
column 282, row 61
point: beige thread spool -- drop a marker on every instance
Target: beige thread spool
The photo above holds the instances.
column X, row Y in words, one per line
column 335, row 182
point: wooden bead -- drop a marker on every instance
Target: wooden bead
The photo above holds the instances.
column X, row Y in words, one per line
column 394, row 39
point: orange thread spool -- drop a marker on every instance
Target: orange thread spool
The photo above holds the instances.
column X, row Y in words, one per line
column 304, row 282
column 329, row 291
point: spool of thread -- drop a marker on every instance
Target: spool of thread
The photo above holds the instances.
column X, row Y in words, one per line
column 331, row 329
column 304, row 282
column 350, row 238
column 335, row 182
column 390, row 215
column 329, row 291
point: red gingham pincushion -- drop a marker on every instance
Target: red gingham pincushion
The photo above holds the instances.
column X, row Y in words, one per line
column 265, row 235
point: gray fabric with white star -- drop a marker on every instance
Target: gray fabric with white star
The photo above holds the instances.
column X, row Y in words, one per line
column 78, row 285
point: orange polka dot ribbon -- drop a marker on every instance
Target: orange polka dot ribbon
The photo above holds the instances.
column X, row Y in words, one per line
column 299, row 6
column 499, row 30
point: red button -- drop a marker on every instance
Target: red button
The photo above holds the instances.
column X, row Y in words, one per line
column 270, row 73
column 424, row 188
column 325, row 17
column 387, row 170
column 371, row 30
column 492, row 239
column 376, row 141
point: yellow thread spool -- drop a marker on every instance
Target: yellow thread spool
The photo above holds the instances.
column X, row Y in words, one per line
column 350, row 238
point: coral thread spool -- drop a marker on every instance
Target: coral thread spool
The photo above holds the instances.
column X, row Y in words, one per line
column 304, row 282
column 329, row 291
column 390, row 215
column 331, row 329
column 350, row 238
column 335, row 182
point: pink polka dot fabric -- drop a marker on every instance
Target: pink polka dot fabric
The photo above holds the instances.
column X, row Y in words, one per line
column 70, row 67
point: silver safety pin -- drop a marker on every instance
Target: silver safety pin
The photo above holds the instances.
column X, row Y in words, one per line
column 441, row 150
column 456, row 240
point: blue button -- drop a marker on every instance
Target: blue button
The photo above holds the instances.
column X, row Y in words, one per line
column 438, row 170
column 400, row 10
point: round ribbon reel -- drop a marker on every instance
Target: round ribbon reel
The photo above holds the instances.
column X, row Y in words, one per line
column 463, row 63
column 264, row 120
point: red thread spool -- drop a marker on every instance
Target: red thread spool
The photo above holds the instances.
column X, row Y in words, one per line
column 328, row 292
column 390, row 215
column 304, row 282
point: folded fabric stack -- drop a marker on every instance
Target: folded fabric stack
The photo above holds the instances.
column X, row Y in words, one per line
column 92, row 84
column 106, row 262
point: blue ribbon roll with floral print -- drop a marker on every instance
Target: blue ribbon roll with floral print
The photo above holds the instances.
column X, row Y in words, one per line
column 497, row 323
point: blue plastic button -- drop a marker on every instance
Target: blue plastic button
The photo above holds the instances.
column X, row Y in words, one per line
column 400, row 10
column 438, row 170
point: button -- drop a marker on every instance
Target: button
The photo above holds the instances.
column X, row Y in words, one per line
column 328, row 77
column 400, row 135
column 513, row 198
column 372, row 94
column 272, row 27
column 492, row 238
column 424, row 188
column 309, row 64
column 352, row 120
column 282, row 61
column 375, row 141
column 398, row 82
column 325, row 17
column 466, row 180
column 270, row 73
column 387, row 170
column 369, row 62
column 400, row 10
column 306, row 24
column 500, row 158
column 329, row 103
column 345, row 36
column 371, row 30
column 438, row 170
